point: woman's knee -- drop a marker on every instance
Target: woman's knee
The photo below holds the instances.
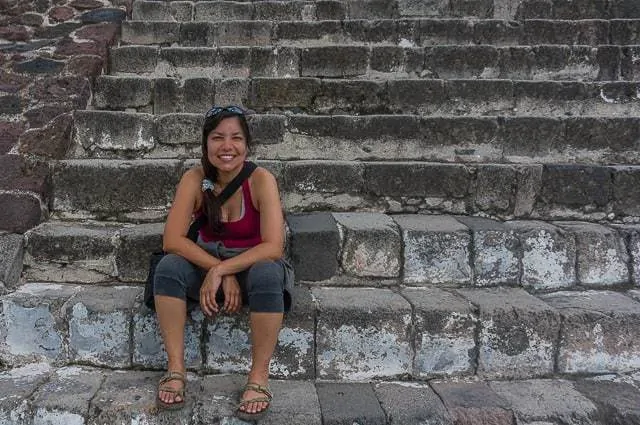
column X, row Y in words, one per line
column 173, row 276
column 265, row 276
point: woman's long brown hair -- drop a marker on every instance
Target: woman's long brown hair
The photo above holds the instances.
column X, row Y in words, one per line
column 210, row 203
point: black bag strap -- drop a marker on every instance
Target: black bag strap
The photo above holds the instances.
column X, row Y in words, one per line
column 229, row 190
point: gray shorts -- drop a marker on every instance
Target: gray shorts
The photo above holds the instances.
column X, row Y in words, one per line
column 263, row 285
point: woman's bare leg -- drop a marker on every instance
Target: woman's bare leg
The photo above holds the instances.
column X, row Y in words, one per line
column 172, row 317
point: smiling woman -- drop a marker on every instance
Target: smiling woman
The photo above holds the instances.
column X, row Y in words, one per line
column 236, row 259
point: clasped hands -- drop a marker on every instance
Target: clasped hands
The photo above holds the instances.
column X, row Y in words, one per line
column 210, row 286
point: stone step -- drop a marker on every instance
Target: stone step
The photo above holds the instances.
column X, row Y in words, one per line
column 286, row 137
column 543, row 62
column 358, row 249
column 406, row 32
column 345, row 334
column 101, row 396
column 316, row 96
column 383, row 9
column 141, row 190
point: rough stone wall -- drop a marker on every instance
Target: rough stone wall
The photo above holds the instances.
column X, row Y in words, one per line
column 50, row 50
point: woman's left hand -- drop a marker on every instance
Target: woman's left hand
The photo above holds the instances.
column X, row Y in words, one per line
column 232, row 294
column 208, row 292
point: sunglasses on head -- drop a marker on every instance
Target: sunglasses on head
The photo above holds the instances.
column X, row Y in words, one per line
column 215, row 110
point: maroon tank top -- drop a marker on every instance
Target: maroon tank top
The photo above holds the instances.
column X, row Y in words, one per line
column 242, row 233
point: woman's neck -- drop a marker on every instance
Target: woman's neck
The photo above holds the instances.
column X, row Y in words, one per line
column 225, row 177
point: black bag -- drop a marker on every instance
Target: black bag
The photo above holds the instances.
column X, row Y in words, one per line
column 192, row 234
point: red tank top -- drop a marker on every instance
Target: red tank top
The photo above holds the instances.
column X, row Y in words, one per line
column 243, row 233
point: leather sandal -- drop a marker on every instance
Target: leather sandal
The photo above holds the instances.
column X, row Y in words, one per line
column 268, row 396
column 168, row 377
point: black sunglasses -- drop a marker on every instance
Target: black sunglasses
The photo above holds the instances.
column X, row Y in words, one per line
column 215, row 110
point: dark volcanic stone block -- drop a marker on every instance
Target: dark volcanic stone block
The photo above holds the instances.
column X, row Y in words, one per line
column 267, row 93
column 136, row 245
column 411, row 404
column 532, row 136
column 624, row 9
column 592, row 9
column 616, row 134
column 167, row 96
column 619, row 400
column 333, row 177
column 375, row 126
column 459, row 130
column 576, row 185
column 626, row 190
column 331, row 10
column 473, row 403
column 334, row 61
column 354, row 96
column 343, row 403
column 133, row 59
column 405, row 95
column 460, row 62
column 314, row 245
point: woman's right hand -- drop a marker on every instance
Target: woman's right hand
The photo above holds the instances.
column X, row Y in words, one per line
column 208, row 291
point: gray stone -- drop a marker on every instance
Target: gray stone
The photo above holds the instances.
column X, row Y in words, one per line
column 532, row 136
column 445, row 327
column 70, row 252
column 232, row 91
column 490, row 95
column 99, row 325
column 324, row 177
column 334, row 61
column 411, row 404
column 31, row 327
column 496, row 252
column 331, row 10
column 423, row 7
column 267, row 129
column 371, row 9
column 599, row 331
column 168, row 97
column 223, row 11
column 601, row 254
column 371, row 245
column 279, row 62
column 349, row 403
column 471, row 403
column 465, row 132
column 65, row 397
column 549, row 401
column 11, row 256
column 16, row 386
column 196, row 34
column 566, row 9
column 133, row 59
column 179, row 129
column 575, row 186
column 247, row 33
column 421, row 95
column 529, row 180
column 518, row 333
column 314, row 245
column 362, row 334
column 548, row 254
column 617, row 400
column 495, row 189
column 278, row 10
column 632, row 235
column 436, row 250
column 476, row 8
column 198, row 95
column 470, row 61
column 378, row 31
column 626, row 190
column 122, row 92
column 500, row 32
column 148, row 349
column 150, row 32
column 135, row 247
column 267, row 93
column 615, row 133
column 102, row 131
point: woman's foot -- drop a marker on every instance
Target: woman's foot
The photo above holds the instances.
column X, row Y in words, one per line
column 255, row 401
column 171, row 389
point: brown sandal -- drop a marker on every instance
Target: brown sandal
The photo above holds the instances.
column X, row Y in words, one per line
column 172, row 376
column 268, row 396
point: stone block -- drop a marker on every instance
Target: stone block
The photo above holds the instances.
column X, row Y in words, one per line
column 66, row 396
column 326, row 177
column 548, row 255
column 436, row 250
column 334, row 61
column 617, row 134
column 122, row 92
column 566, row 32
column 152, row 11
column 410, row 95
column 372, row 127
column 487, row 94
column 625, row 32
column 473, row 8
column 231, row 91
column 68, row 252
column 430, row 8
column 371, row 245
column 632, row 239
column 389, row 59
column 368, row 31
column 179, row 129
column 411, row 403
column 575, row 186
column 102, row 131
column 312, row 30
column 287, row 93
column 362, row 334
column 16, row 386
column 626, row 9
column 234, row 62
column 532, row 137
column 278, row 11
column 496, row 189
column 518, row 333
column 592, row 9
column 281, row 62
column 544, row 401
column 496, row 252
column 25, row 210
column 11, row 256
column 223, row 11
column 499, row 32
column 599, row 331
column 371, row 9
column 471, row 403
column 343, row 403
column 243, row 33
column 150, row 32
column 267, row 129
column 445, row 327
column 457, row 62
column 204, row 58
column 99, row 325
column 601, row 254
column 134, row 249
column 314, row 245
column 133, row 59
column 197, row 34
column 626, row 190
column 79, row 186
column 31, row 325
column 331, row 10
column 613, row 64
column 198, row 95
column 57, row 135
column 148, row 349
column 618, row 399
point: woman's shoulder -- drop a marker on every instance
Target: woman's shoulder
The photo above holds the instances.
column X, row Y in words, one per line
column 262, row 177
column 194, row 174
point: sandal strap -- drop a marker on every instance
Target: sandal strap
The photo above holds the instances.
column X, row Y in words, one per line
column 259, row 389
column 173, row 376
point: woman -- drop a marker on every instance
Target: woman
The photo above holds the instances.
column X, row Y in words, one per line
column 237, row 257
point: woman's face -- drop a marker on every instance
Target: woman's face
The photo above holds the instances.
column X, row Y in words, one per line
column 227, row 145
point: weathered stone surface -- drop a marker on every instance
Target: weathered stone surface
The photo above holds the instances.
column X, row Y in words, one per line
column 626, row 190
column 333, row 61
column 122, row 92
column 362, row 333
column 133, row 59
column 103, row 15
column 599, row 331
column 371, row 245
column 348, row 403
column 40, row 115
column 39, row 65
column 16, row 385
column 11, row 255
column 61, row 13
column 314, row 245
column 52, row 141
column 148, row 349
column 267, row 129
column 436, row 250
column 30, row 327
column 85, row 65
column 518, row 333
column 281, row 62
column 223, row 11
column 66, row 396
column 548, row 254
column 69, row 252
column 496, row 252
column 150, row 32
column 98, row 131
column 322, row 177
column 179, row 129
column 632, row 239
column 473, row 403
column 617, row 402
column 283, row 93
column 135, row 247
column 445, row 327
column 601, row 254
column 24, row 211
column 411, row 403
column 546, row 401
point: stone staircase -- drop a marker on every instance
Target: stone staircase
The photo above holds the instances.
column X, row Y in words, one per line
column 462, row 193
